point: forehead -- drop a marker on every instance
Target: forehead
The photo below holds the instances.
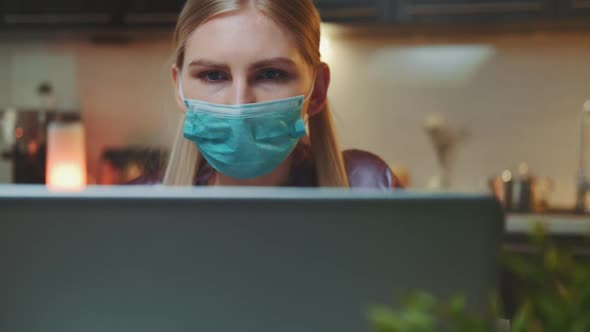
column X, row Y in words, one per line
column 240, row 37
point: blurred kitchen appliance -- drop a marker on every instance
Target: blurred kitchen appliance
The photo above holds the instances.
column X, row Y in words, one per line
column 522, row 191
column 24, row 135
column 7, row 125
column 583, row 186
column 124, row 165
column 25, row 148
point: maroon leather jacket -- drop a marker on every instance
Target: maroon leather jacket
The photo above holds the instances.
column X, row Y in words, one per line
column 364, row 170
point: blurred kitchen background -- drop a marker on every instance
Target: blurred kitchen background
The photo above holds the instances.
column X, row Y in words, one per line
column 481, row 86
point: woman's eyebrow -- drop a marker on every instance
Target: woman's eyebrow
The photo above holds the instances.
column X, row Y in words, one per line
column 286, row 62
column 207, row 63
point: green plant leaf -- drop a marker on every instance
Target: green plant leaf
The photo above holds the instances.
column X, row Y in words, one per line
column 457, row 305
column 555, row 291
column 522, row 319
column 383, row 319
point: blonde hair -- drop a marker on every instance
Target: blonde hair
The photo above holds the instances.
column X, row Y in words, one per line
column 302, row 19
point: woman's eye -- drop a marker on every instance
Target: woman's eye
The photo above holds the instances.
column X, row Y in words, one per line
column 271, row 74
column 213, row 76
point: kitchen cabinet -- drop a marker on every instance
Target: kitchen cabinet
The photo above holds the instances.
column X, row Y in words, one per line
column 163, row 13
column 88, row 13
column 151, row 12
column 157, row 12
column 56, row 12
column 472, row 10
column 352, row 10
column 574, row 8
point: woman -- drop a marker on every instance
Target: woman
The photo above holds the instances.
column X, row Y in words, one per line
column 249, row 79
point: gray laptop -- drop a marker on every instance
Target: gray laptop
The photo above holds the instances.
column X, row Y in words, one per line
column 225, row 260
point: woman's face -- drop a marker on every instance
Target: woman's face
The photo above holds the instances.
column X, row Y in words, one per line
column 243, row 57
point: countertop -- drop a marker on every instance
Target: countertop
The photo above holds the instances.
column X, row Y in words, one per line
column 556, row 224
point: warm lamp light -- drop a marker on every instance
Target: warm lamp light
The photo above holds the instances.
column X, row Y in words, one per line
column 66, row 156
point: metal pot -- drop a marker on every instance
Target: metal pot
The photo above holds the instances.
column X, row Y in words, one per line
column 523, row 192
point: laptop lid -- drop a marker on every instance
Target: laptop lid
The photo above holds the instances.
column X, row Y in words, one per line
column 216, row 259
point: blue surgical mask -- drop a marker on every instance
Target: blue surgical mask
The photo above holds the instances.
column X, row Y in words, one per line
column 245, row 141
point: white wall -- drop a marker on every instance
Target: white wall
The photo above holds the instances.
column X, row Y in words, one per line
column 519, row 94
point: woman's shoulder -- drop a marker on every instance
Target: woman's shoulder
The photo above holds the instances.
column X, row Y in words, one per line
column 147, row 179
column 367, row 170
column 363, row 168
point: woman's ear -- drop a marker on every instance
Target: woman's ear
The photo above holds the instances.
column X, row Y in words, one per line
column 319, row 96
column 175, row 77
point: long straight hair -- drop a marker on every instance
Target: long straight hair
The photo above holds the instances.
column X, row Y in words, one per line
column 302, row 19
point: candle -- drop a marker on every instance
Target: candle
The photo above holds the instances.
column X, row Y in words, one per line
column 66, row 156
